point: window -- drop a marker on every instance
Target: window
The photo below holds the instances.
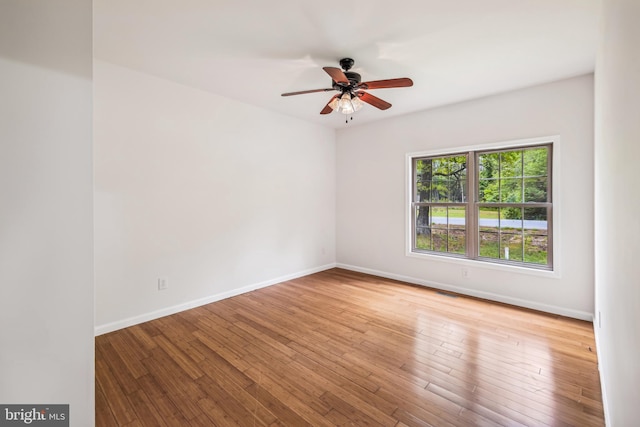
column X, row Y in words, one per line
column 489, row 205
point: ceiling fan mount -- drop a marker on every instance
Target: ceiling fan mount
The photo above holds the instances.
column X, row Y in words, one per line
column 347, row 63
column 352, row 90
column 354, row 78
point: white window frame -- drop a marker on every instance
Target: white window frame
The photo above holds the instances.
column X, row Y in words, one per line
column 484, row 263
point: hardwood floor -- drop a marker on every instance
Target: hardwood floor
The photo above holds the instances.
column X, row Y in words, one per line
column 343, row 348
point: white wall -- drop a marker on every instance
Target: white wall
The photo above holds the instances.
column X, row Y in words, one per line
column 217, row 196
column 371, row 208
column 46, row 254
column 617, row 210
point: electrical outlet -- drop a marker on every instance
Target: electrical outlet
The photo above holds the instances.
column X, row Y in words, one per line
column 163, row 283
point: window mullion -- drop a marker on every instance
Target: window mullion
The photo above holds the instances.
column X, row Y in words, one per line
column 472, row 211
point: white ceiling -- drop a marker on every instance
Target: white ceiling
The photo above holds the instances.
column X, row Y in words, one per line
column 254, row 50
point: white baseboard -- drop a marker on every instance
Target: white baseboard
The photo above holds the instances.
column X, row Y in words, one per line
column 125, row 323
column 568, row 312
column 603, row 388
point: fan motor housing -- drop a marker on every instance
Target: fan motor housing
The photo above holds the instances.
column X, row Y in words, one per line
column 354, row 78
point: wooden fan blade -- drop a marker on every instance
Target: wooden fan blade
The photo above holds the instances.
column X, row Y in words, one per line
column 373, row 100
column 337, row 75
column 384, row 84
column 327, row 109
column 306, row 91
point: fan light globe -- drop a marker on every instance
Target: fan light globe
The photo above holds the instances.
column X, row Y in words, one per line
column 346, row 104
column 357, row 103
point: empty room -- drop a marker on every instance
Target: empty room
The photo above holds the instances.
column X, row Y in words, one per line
column 415, row 213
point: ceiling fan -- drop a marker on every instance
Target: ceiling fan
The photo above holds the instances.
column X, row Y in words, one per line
column 351, row 89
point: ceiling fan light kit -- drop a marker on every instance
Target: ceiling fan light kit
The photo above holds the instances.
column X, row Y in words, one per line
column 346, row 104
column 352, row 95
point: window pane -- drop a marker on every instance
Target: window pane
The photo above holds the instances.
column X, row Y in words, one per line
column 488, row 242
column 488, row 177
column 535, row 235
column 458, row 190
column 538, row 216
column 488, row 219
column 423, row 191
column 535, row 162
column 488, row 191
column 439, row 217
column 423, row 169
column 423, row 230
column 439, row 189
column 489, row 245
column 457, row 215
column 458, row 179
column 457, row 241
column 423, row 239
column 511, row 164
column 439, row 237
column 489, row 167
column 511, row 190
column 535, row 189
column 511, row 246
column 511, row 220
column 535, row 249
column 440, row 179
column 423, row 180
column 457, row 230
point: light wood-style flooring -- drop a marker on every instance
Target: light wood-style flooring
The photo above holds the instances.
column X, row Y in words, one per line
column 342, row 348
